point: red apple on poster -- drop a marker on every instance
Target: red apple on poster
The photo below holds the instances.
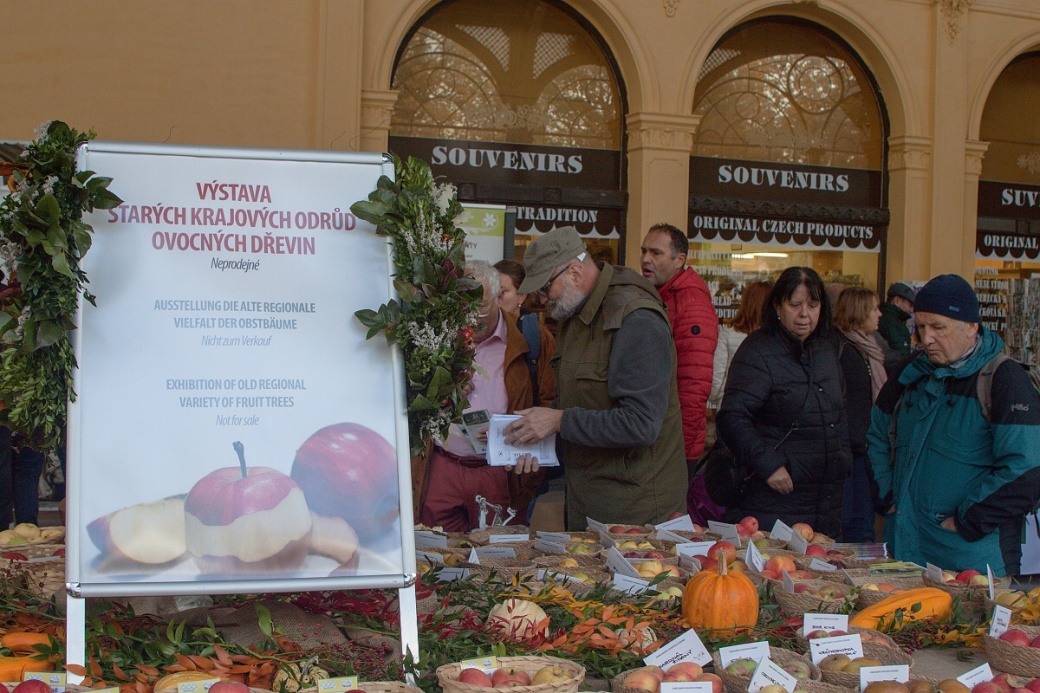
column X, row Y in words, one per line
column 146, row 533
column 246, row 520
column 349, row 471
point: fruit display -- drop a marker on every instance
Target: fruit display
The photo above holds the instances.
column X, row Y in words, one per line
column 538, row 673
column 26, row 533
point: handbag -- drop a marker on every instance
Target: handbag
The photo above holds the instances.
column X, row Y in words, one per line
column 725, row 479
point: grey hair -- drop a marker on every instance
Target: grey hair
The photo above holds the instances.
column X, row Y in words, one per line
column 484, row 272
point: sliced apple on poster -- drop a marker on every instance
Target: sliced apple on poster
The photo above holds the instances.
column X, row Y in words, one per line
column 147, row 533
column 247, row 520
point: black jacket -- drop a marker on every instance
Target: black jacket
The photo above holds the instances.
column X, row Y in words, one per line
column 784, row 405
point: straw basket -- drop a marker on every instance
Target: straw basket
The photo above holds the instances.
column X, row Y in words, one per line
column 645, row 532
column 482, row 537
column 739, row 684
column 801, row 603
column 448, row 674
column 30, row 551
column 45, row 578
column 1024, row 601
column 505, row 567
column 1014, row 659
column 973, row 597
column 886, row 655
column 810, row 686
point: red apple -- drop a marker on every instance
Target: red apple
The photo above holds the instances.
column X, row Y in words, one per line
column 475, row 677
column 643, row 679
column 743, row 532
column 1034, row 685
column 15, row 556
column 689, row 671
column 635, row 530
column 713, row 679
column 815, row 550
column 676, row 515
column 986, row 687
column 1008, row 682
column 247, row 520
column 1036, row 643
column 965, row 575
column 804, row 529
column 32, row 686
column 616, row 529
column 779, row 564
column 349, row 471
column 148, row 533
column 724, row 548
column 229, row 687
column 1015, row 637
column 751, row 522
column 507, row 677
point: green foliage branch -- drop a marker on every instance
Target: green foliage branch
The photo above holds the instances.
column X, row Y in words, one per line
column 434, row 319
column 42, row 239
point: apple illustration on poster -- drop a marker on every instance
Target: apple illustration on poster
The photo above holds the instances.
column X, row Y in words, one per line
column 349, row 471
column 246, row 520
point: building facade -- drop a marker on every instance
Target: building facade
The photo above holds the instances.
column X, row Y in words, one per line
column 876, row 141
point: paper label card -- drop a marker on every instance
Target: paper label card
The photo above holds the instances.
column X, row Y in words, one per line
column 338, row 684
column 685, row 648
column 726, row 531
column 495, row 551
column 1000, row 621
column 55, row 679
column 596, row 526
column 786, row 582
column 449, row 574
column 508, row 538
column 546, row 546
column 554, row 537
column 667, row 535
column 825, row 622
column 620, row 565
column 798, row 543
column 429, row 557
column 690, row 563
column 631, row 585
column 817, row 564
column 755, row 561
column 196, row 686
column 891, row 672
column 486, row 664
column 686, row 687
column 780, row 531
column 934, row 572
column 431, row 539
column 977, row 675
column 769, row 672
column 752, row 650
column 544, row 573
column 606, row 540
column 694, row 548
column 851, row 645
column 681, row 524
column 992, row 581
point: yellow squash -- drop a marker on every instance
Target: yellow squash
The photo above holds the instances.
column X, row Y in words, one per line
column 916, row 605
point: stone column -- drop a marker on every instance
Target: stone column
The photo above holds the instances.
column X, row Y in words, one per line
column 376, row 108
column 909, row 231
column 659, row 146
column 974, row 152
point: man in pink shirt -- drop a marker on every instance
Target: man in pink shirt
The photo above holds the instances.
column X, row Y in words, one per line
column 501, row 384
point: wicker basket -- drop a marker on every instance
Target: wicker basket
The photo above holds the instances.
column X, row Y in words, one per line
column 373, row 687
column 645, row 531
column 810, row 686
column 865, row 598
column 988, row 605
column 739, row 684
column 886, row 655
column 30, row 551
column 45, row 578
column 447, row 676
column 1012, row 658
column 972, row 597
column 801, row 603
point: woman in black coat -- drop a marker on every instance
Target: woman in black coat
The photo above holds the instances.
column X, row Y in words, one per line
column 783, row 412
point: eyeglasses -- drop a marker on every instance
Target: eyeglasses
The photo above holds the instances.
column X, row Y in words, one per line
column 544, row 291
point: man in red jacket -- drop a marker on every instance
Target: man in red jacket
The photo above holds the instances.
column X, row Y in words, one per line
column 695, row 326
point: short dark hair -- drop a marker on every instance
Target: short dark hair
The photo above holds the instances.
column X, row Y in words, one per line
column 512, row 269
column 680, row 244
column 786, row 284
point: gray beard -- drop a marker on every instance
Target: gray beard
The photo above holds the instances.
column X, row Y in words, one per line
column 566, row 305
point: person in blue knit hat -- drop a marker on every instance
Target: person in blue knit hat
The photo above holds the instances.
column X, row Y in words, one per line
column 956, row 485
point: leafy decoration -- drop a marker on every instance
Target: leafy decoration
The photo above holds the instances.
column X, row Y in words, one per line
column 42, row 240
column 434, row 319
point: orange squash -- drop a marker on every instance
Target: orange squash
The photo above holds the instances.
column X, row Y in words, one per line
column 721, row 602
column 23, row 643
column 12, row 668
column 915, row 605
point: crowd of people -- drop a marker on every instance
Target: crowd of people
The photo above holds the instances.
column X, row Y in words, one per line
column 839, row 408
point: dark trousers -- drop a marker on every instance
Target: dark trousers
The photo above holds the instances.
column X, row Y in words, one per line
column 20, row 472
column 857, row 514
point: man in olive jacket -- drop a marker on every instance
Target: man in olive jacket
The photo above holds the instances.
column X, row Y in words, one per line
column 617, row 408
column 957, row 485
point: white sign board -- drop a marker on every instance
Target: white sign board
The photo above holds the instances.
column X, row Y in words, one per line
column 224, row 331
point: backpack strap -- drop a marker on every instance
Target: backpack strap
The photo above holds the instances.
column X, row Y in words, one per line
column 533, row 334
column 984, row 384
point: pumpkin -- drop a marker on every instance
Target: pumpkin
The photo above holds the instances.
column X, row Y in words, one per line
column 24, row 643
column 722, row 602
column 518, row 619
column 915, row 605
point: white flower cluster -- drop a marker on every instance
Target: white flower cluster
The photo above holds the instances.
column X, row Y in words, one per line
column 429, row 338
column 40, row 133
column 426, row 239
column 48, row 185
column 443, row 193
column 434, row 426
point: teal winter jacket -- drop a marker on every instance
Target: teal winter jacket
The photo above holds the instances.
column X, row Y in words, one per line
column 948, row 460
